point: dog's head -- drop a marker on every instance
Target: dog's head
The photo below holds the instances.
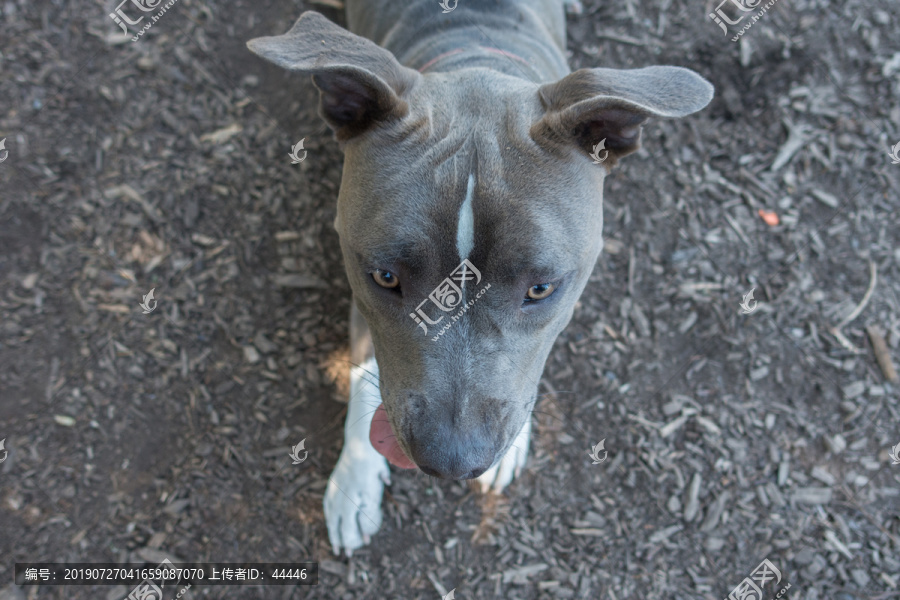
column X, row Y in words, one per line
column 470, row 217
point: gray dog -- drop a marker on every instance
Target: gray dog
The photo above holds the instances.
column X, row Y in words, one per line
column 470, row 217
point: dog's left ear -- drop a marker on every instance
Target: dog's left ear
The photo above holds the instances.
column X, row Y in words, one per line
column 592, row 105
column 360, row 82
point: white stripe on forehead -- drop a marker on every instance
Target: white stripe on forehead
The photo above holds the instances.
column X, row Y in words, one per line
column 465, row 230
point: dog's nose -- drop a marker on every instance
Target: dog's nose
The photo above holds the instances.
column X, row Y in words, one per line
column 458, row 456
column 470, row 475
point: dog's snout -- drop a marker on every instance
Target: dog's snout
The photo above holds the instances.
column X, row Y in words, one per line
column 455, row 453
column 436, row 473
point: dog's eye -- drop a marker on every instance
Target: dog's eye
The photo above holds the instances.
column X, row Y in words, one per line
column 540, row 291
column 386, row 279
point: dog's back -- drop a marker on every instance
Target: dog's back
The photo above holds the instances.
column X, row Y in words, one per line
column 417, row 30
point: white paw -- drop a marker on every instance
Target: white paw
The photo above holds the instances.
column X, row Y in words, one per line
column 510, row 466
column 353, row 502
column 353, row 497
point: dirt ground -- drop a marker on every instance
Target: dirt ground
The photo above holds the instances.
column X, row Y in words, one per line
column 731, row 438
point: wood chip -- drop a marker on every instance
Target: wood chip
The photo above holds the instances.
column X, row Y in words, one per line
column 202, row 240
column 715, row 512
column 823, row 475
column 692, row 502
column 287, row 236
column 220, row 136
column 336, row 4
column 588, row 531
column 116, row 308
column 520, row 575
column 832, row 539
column 882, row 354
column 664, row 534
column 298, row 281
column 264, row 344
column 797, row 138
column 825, row 198
column 811, row 495
column 708, row 425
column 670, row 428
column 132, row 194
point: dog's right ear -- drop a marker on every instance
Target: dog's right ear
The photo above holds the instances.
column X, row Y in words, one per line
column 360, row 82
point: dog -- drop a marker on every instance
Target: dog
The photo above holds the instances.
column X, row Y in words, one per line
column 470, row 217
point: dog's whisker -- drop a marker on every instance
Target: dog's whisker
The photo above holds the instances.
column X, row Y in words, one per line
column 365, row 416
column 360, row 367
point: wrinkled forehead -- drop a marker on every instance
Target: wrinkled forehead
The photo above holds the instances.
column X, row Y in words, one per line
column 468, row 195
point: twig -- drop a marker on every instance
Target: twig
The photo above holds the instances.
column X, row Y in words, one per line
column 836, row 330
column 798, row 135
column 737, row 228
column 631, row 271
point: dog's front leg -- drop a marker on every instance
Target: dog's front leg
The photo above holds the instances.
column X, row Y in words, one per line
column 353, row 495
column 510, row 466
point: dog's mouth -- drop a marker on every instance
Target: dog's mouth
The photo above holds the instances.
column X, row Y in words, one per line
column 384, row 440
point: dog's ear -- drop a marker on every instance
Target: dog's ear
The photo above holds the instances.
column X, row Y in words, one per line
column 593, row 105
column 360, row 82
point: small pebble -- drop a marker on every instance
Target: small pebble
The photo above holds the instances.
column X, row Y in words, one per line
column 860, row 577
column 674, row 505
column 836, row 444
column 251, row 355
column 757, row 374
column 855, row 389
column 714, row 544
